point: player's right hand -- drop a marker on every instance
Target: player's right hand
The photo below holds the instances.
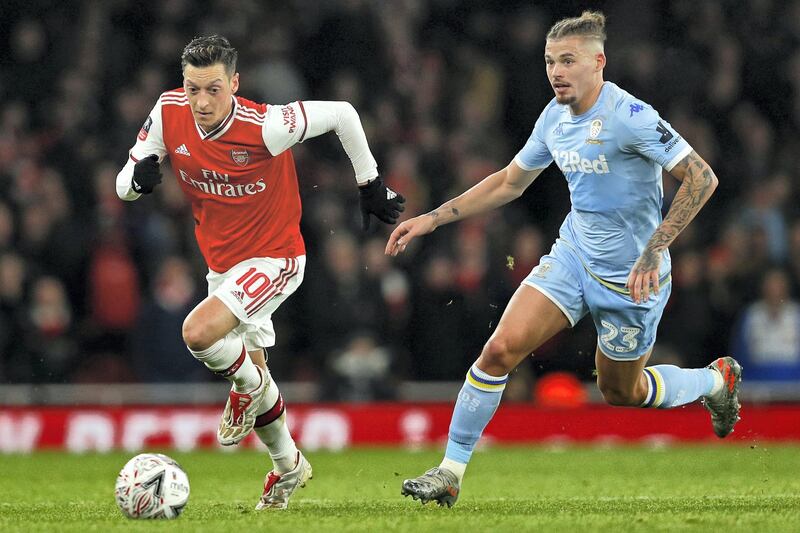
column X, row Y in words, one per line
column 146, row 175
column 413, row 227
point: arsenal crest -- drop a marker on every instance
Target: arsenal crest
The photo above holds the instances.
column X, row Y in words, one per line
column 240, row 157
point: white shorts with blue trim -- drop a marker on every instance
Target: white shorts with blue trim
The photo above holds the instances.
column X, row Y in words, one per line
column 626, row 330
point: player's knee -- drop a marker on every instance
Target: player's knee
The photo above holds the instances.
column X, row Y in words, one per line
column 617, row 396
column 196, row 336
column 497, row 356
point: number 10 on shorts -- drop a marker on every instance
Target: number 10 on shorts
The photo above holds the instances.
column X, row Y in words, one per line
column 257, row 286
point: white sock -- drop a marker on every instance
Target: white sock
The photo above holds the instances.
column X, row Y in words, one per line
column 273, row 431
column 455, row 467
column 718, row 382
column 228, row 358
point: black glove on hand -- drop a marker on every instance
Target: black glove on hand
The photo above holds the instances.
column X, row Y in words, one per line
column 146, row 175
column 378, row 199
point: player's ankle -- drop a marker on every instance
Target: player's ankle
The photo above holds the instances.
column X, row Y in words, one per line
column 247, row 379
column 285, row 462
column 455, row 467
column 718, row 381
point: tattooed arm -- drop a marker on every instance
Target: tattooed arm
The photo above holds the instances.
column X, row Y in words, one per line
column 493, row 191
column 698, row 183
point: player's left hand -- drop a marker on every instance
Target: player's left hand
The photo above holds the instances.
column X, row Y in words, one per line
column 379, row 200
column 644, row 276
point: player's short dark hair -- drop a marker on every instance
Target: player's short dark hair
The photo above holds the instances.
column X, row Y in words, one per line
column 591, row 24
column 210, row 50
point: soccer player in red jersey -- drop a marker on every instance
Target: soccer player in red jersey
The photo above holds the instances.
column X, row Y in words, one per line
column 232, row 159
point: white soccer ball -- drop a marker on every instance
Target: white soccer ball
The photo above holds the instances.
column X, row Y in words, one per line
column 151, row 485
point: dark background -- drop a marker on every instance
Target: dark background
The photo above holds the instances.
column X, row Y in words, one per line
column 93, row 289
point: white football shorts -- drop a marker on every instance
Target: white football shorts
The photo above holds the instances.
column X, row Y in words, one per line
column 253, row 290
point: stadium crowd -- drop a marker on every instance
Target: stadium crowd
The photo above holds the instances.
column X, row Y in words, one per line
column 93, row 289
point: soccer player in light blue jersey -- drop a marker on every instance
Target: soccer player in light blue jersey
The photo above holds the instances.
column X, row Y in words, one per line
column 610, row 259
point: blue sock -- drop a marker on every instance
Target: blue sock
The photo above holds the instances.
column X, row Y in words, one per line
column 476, row 404
column 671, row 386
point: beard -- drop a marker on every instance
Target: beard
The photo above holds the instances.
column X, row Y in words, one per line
column 566, row 99
column 208, row 123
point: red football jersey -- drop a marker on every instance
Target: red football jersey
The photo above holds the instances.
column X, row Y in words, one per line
column 245, row 201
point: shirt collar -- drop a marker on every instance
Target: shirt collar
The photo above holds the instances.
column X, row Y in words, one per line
column 224, row 126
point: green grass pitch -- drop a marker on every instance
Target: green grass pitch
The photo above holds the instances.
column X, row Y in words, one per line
column 699, row 488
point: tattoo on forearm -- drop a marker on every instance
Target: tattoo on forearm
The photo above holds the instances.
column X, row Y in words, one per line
column 435, row 214
column 648, row 261
column 698, row 184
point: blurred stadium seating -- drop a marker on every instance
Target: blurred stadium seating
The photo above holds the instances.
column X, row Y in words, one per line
column 93, row 290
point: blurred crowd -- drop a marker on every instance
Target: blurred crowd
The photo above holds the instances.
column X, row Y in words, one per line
column 93, row 289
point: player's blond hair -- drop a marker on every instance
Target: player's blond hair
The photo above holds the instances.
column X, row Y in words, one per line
column 591, row 25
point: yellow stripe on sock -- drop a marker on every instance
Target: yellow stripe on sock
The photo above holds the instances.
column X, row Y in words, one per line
column 659, row 387
column 484, row 386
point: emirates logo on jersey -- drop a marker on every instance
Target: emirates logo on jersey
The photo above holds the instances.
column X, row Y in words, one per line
column 240, row 157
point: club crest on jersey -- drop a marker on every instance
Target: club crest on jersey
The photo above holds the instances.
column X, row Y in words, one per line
column 145, row 129
column 240, row 157
column 594, row 131
column 541, row 270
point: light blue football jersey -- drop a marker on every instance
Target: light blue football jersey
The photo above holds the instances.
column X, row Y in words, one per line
column 612, row 157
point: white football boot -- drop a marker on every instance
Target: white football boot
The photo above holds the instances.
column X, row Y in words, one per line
column 239, row 415
column 278, row 488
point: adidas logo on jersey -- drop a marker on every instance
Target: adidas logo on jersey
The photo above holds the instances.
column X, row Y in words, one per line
column 239, row 295
column 182, row 150
column 571, row 161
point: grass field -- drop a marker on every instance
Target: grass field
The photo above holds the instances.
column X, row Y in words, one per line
column 728, row 488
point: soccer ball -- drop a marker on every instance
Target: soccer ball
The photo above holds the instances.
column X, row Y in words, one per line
column 151, row 485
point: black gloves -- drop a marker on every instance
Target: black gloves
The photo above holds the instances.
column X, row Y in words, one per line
column 377, row 199
column 146, row 175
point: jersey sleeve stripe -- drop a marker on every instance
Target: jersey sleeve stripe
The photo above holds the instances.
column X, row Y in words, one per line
column 675, row 160
column 251, row 111
column 245, row 113
column 245, row 118
column 523, row 166
column 305, row 121
column 251, row 117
